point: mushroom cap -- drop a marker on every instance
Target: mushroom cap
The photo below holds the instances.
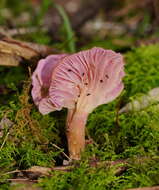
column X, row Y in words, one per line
column 82, row 80
column 41, row 77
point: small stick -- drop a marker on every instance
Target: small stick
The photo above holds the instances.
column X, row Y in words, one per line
column 22, row 179
column 146, row 188
column 54, row 145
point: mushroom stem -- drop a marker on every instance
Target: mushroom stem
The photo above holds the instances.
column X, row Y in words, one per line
column 76, row 122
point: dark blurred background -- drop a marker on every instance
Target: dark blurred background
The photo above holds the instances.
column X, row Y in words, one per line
column 114, row 24
column 72, row 25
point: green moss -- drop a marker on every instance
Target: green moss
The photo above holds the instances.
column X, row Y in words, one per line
column 139, row 173
column 83, row 177
column 142, row 69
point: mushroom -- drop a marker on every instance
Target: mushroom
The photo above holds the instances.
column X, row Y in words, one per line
column 80, row 82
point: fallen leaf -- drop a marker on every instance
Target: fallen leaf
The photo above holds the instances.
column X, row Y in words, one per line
column 9, row 60
column 13, row 51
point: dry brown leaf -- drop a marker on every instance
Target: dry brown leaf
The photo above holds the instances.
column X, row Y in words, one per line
column 17, row 48
column 13, row 51
column 9, row 60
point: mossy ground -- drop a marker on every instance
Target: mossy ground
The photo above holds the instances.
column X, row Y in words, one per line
column 127, row 136
column 132, row 136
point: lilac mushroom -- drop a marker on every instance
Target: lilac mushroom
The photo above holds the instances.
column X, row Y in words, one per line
column 80, row 82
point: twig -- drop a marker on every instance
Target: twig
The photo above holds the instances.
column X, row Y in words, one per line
column 146, row 188
column 12, row 172
column 19, row 31
column 61, row 151
column 41, row 170
column 22, row 179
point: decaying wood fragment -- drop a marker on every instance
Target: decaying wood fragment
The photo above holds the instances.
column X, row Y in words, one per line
column 142, row 102
column 13, row 51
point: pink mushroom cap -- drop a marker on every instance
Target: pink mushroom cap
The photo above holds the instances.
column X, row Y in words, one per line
column 82, row 80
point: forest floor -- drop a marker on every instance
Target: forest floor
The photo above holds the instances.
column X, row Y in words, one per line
column 124, row 148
